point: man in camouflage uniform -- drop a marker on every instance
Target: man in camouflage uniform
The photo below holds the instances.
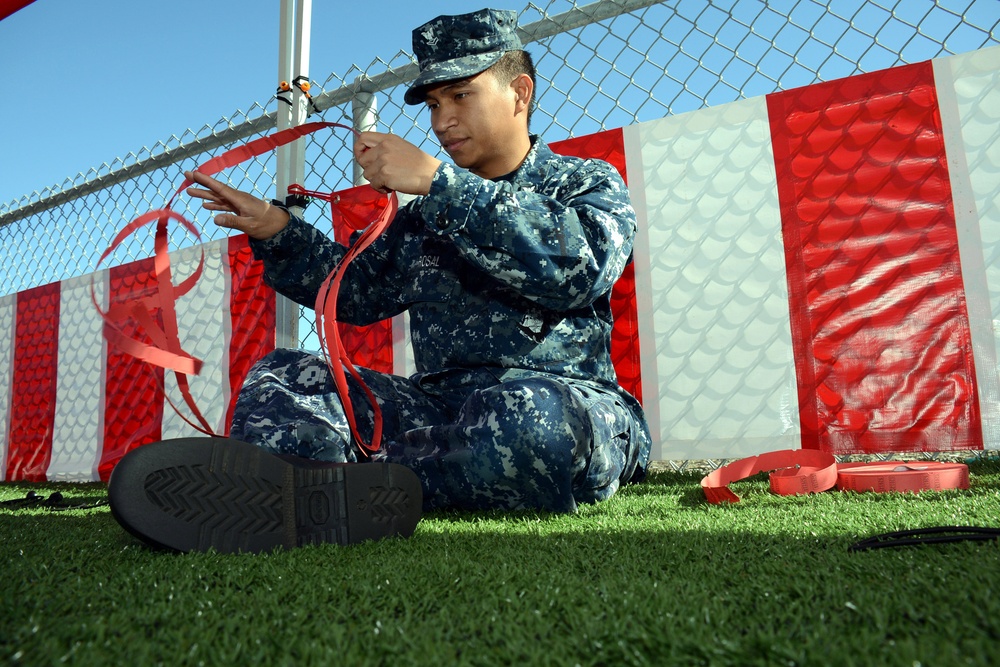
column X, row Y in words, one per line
column 505, row 262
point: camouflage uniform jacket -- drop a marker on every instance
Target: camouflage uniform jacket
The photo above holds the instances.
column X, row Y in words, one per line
column 512, row 275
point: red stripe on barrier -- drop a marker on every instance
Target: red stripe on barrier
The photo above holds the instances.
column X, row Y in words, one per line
column 133, row 403
column 625, row 333
column 610, row 147
column 33, row 383
column 879, row 323
column 252, row 312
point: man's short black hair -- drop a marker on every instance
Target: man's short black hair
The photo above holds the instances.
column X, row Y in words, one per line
column 512, row 65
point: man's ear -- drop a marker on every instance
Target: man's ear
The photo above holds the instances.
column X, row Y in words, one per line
column 523, row 87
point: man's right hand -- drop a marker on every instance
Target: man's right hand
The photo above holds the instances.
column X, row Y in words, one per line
column 392, row 163
column 241, row 211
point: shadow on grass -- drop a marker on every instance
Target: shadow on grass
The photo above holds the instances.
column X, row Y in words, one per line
column 631, row 581
column 652, row 576
column 667, row 507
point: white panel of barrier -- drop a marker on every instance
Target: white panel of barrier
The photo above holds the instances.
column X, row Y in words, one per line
column 79, row 408
column 711, row 284
column 969, row 92
column 204, row 328
column 8, row 308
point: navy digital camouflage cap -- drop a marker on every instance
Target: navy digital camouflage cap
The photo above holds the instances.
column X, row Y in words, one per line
column 455, row 47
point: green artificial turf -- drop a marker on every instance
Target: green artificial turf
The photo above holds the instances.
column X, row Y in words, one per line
column 655, row 576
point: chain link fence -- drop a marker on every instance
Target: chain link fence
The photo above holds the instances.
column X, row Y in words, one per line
column 601, row 65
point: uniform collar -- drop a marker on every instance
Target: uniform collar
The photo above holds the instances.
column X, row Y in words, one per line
column 537, row 154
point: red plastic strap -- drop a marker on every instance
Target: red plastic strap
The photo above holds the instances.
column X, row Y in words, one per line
column 902, row 476
column 799, row 471
column 326, row 322
column 252, row 149
column 165, row 349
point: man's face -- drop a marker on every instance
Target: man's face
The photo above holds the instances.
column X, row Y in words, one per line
column 476, row 122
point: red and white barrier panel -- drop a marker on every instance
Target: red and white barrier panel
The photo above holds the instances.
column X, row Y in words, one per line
column 73, row 407
column 818, row 268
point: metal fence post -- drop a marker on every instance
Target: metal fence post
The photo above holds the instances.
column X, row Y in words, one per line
column 293, row 62
column 364, row 111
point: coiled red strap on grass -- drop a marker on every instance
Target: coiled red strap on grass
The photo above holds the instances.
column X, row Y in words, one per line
column 800, row 471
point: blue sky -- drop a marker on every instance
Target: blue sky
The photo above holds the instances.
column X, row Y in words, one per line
column 86, row 82
column 89, row 81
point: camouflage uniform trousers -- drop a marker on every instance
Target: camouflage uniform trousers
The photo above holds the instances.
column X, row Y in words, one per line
column 475, row 442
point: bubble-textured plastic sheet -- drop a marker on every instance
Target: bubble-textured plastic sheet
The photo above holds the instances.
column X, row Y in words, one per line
column 883, row 348
column 821, row 267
